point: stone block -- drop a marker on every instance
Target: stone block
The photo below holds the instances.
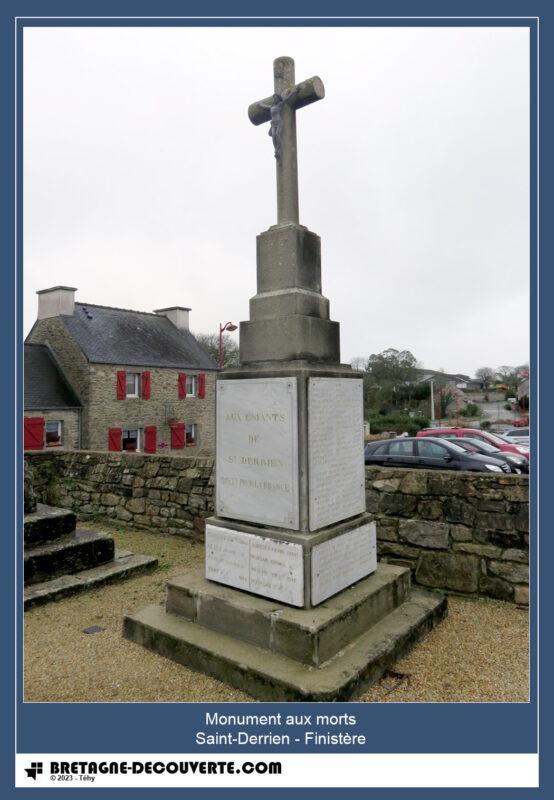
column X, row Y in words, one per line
column 414, row 482
column 521, row 595
column 109, row 499
column 386, row 485
column 510, row 571
column 496, row 587
column 136, row 505
column 458, row 511
column 458, row 572
column 485, row 550
column 430, row 509
column 424, row 534
column 387, row 529
column 460, row 533
column 398, row 505
column 514, row 554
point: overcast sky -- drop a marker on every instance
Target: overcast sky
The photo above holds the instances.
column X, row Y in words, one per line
column 146, row 184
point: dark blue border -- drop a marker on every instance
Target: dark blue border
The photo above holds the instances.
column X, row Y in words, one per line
column 167, row 728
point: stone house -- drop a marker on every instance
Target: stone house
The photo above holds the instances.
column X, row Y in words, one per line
column 52, row 408
column 145, row 383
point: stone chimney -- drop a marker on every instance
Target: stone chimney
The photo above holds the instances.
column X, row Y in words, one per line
column 178, row 315
column 56, row 301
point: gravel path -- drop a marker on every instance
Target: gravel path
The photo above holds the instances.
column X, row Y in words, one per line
column 479, row 653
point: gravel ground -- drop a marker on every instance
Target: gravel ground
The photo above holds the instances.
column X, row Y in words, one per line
column 478, row 653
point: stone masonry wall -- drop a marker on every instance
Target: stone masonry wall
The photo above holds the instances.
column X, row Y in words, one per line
column 461, row 532
column 70, row 425
column 169, row 494
column 106, row 411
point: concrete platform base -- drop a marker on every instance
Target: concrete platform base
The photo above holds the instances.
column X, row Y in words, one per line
column 274, row 652
column 124, row 565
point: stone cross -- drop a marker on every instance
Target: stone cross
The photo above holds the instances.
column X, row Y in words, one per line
column 280, row 110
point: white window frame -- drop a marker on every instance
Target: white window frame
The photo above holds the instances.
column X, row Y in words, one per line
column 193, row 385
column 59, row 423
column 139, row 439
column 194, row 426
column 136, row 376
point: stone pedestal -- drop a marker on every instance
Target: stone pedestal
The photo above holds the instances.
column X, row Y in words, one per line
column 290, row 518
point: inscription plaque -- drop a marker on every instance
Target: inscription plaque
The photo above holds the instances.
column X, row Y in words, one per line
column 257, row 451
column 255, row 564
column 336, row 450
column 340, row 562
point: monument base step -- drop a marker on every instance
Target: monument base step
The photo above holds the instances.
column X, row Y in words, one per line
column 273, row 676
column 313, row 635
column 82, row 550
column 124, row 565
column 47, row 523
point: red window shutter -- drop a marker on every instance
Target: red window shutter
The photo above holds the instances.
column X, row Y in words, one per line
column 121, row 385
column 182, row 385
column 145, row 386
column 177, row 435
column 114, row 439
column 150, row 439
column 33, row 433
column 201, row 386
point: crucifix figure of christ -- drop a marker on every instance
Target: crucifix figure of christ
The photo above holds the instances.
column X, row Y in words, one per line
column 280, row 109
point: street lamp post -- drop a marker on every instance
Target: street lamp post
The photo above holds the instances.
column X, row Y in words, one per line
column 229, row 326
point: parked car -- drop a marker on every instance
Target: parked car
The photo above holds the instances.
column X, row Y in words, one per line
column 482, row 436
column 429, row 453
column 522, row 422
column 516, row 436
column 516, row 462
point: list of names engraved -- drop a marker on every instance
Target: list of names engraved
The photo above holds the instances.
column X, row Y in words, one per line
column 336, row 450
column 340, row 562
column 257, row 451
column 255, row 564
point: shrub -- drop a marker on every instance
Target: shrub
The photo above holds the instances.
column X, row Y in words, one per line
column 508, row 406
column 485, row 424
column 469, row 410
column 398, row 422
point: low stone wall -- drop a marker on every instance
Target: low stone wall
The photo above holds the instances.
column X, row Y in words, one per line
column 167, row 493
column 458, row 531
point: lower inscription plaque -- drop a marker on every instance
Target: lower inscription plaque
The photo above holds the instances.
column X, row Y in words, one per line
column 255, row 564
column 340, row 562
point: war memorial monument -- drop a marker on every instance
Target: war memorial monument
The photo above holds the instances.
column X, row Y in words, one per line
column 292, row 604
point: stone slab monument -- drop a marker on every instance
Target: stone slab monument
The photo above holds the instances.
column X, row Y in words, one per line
column 292, row 604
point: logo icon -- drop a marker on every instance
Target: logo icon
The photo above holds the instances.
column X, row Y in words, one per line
column 34, row 770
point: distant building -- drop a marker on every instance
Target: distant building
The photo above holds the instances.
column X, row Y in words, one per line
column 144, row 382
column 456, row 380
column 52, row 409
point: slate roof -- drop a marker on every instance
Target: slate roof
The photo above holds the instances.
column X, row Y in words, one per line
column 134, row 338
column 45, row 386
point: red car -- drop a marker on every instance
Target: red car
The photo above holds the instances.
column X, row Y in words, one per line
column 474, row 433
column 522, row 422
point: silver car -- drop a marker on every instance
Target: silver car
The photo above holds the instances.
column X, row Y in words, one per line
column 516, row 436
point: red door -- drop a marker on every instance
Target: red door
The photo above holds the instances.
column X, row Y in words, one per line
column 177, row 435
column 33, row 433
